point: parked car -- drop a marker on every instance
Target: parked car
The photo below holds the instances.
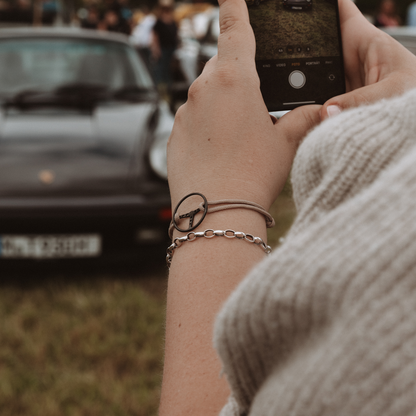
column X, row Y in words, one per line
column 83, row 138
column 406, row 35
column 297, row 4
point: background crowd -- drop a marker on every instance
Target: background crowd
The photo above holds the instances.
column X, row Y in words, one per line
column 160, row 31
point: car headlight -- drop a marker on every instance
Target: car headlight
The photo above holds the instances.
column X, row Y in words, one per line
column 157, row 152
column 157, row 155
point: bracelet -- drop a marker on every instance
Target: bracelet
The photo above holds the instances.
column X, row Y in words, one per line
column 177, row 242
column 203, row 207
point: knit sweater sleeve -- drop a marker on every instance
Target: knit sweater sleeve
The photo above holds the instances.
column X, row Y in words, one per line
column 326, row 324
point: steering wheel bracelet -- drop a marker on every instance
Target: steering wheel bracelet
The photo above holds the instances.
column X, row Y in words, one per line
column 207, row 207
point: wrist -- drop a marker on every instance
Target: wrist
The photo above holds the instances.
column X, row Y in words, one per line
column 239, row 219
column 192, row 210
column 219, row 250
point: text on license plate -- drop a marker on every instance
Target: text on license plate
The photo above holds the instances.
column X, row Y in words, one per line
column 50, row 246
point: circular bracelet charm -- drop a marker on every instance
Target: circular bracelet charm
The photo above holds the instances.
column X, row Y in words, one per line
column 190, row 214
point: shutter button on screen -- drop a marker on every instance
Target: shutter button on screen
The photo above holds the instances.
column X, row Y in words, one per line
column 297, row 79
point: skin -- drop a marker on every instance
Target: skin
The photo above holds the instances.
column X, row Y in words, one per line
column 376, row 66
column 225, row 145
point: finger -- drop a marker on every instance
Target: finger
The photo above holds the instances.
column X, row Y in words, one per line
column 236, row 42
column 298, row 122
column 295, row 125
column 348, row 10
column 389, row 87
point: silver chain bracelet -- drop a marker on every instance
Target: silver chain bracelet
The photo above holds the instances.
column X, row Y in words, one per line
column 177, row 242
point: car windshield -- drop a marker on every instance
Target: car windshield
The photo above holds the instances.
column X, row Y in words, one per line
column 46, row 65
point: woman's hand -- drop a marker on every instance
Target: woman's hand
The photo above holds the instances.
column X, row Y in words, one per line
column 376, row 65
column 224, row 143
column 225, row 146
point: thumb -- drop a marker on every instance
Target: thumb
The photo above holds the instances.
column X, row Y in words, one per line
column 297, row 123
column 290, row 130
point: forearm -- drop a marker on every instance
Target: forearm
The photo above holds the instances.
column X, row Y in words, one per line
column 225, row 146
column 203, row 274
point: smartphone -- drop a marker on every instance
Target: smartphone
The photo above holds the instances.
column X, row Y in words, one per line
column 298, row 51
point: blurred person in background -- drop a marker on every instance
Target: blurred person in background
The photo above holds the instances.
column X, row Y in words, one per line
column 164, row 44
column 142, row 34
column 19, row 11
column 411, row 14
column 113, row 22
column 112, row 19
column 126, row 13
column 387, row 15
column 92, row 20
column 49, row 11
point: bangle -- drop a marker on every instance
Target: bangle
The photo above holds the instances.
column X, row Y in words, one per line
column 204, row 209
column 192, row 236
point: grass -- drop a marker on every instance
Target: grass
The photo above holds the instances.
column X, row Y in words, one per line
column 276, row 27
column 283, row 212
column 88, row 344
column 82, row 347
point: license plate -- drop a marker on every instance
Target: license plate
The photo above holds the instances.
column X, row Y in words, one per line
column 50, row 246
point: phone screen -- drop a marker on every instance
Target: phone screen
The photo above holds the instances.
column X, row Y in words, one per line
column 298, row 51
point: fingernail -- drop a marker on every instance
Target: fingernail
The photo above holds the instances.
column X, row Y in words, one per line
column 333, row 110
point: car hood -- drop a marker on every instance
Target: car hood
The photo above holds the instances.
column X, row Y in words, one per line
column 67, row 152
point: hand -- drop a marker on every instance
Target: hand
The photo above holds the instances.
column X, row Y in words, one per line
column 224, row 143
column 376, row 65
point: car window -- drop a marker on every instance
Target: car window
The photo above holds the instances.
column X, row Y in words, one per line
column 47, row 64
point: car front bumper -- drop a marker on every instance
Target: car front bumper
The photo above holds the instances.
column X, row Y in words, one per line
column 126, row 226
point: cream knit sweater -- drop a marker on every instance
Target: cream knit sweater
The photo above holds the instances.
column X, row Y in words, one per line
column 327, row 324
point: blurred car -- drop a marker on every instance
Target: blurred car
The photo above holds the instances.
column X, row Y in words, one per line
column 83, row 138
column 406, row 35
column 297, row 4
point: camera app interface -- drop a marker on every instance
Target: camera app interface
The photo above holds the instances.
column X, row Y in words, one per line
column 298, row 54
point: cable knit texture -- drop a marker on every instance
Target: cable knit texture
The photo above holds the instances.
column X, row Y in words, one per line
column 326, row 325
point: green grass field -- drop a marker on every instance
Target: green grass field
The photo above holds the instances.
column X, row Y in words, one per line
column 88, row 344
column 275, row 27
